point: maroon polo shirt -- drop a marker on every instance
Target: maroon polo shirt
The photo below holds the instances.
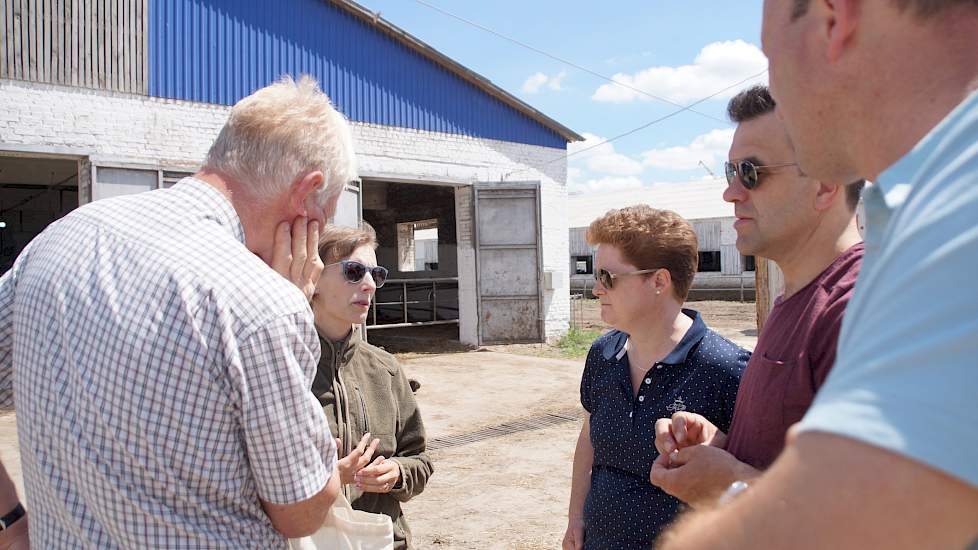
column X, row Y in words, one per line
column 794, row 353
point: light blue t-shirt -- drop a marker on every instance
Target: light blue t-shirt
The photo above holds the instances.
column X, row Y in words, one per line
column 906, row 378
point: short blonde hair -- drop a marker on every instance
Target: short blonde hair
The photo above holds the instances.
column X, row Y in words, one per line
column 337, row 241
column 281, row 133
column 651, row 239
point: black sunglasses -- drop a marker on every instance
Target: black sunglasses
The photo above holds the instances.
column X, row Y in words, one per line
column 747, row 171
column 354, row 272
column 607, row 278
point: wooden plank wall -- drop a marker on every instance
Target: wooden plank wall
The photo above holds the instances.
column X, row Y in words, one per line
column 87, row 43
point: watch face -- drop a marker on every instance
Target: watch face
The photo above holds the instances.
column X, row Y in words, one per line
column 731, row 493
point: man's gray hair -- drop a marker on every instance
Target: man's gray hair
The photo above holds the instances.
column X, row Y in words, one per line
column 281, row 133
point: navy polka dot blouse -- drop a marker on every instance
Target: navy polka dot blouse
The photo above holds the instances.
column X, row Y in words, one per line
column 623, row 509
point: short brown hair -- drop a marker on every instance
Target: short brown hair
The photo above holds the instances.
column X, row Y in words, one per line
column 337, row 241
column 650, row 239
column 750, row 104
column 923, row 8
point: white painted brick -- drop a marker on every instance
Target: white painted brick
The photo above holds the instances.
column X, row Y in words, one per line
column 177, row 134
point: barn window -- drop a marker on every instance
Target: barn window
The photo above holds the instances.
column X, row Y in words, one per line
column 710, row 261
column 417, row 246
column 749, row 263
column 583, row 265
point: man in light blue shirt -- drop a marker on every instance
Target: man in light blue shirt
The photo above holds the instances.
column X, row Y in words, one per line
column 887, row 457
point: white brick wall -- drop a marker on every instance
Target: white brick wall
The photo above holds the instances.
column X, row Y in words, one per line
column 110, row 127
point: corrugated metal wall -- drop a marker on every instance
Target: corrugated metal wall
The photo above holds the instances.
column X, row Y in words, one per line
column 708, row 234
column 87, row 43
column 578, row 242
column 218, row 51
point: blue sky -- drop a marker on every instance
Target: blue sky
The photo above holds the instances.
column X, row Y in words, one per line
column 681, row 50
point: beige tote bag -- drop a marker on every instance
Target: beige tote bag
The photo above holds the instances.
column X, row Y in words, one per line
column 349, row 529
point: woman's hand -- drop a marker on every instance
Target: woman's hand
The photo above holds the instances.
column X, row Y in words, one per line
column 379, row 477
column 359, row 457
column 295, row 254
column 574, row 536
column 685, row 429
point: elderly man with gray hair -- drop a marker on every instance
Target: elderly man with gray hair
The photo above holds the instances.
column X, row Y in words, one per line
column 160, row 368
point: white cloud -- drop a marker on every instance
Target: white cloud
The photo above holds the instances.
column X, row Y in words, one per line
column 710, row 148
column 607, row 183
column 602, row 158
column 536, row 81
column 717, row 66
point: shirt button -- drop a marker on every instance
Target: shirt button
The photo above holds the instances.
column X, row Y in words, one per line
column 641, row 398
column 648, row 381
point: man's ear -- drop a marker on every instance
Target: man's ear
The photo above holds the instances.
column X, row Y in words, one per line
column 826, row 195
column 838, row 19
column 302, row 194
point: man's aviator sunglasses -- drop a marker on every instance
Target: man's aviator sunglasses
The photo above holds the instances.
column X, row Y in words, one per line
column 607, row 278
column 354, row 272
column 747, row 171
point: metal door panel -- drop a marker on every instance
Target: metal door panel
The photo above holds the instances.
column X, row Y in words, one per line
column 511, row 220
column 511, row 320
column 508, row 272
column 508, row 262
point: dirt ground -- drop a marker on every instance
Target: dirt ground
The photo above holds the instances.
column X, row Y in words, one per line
column 502, row 425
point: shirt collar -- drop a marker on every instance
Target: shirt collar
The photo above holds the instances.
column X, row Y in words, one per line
column 617, row 346
column 896, row 181
column 218, row 206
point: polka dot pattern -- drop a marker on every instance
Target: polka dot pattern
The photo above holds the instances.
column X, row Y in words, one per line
column 623, row 509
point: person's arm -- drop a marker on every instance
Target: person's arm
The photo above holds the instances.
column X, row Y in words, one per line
column 580, row 486
column 303, row 518
column 411, row 457
column 14, row 537
column 828, row 491
column 287, row 439
column 699, row 474
column 7, row 286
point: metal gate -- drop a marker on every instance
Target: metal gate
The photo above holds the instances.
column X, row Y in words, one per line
column 508, row 261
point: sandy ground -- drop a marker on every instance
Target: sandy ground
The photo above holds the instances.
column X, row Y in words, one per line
column 503, row 424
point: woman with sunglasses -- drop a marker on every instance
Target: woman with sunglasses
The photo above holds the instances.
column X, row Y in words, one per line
column 366, row 396
column 659, row 359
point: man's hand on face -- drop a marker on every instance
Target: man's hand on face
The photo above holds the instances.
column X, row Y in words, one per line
column 698, row 474
column 295, row 254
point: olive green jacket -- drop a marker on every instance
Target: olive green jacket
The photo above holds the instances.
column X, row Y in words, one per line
column 363, row 389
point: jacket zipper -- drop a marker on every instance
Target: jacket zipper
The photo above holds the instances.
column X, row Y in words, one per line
column 363, row 411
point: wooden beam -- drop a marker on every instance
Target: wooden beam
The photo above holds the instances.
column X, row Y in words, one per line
column 768, row 286
column 98, row 42
column 144, row 45
column 30, row 34
column 73, row 37
column 4, row 39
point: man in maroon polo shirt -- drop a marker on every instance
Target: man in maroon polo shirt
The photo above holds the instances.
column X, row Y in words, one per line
column 808, row 228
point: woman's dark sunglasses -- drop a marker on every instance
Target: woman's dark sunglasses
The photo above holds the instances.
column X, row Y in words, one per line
column 607, row 278
column 354, row 272
column 747, row 171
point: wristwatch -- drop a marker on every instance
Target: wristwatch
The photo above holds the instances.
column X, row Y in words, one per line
column 732, row 492
column 12, row 517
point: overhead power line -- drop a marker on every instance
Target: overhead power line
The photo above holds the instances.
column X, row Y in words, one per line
column 644, row 126
column 564, row 61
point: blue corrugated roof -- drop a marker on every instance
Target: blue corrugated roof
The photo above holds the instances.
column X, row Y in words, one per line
column 218, row 51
